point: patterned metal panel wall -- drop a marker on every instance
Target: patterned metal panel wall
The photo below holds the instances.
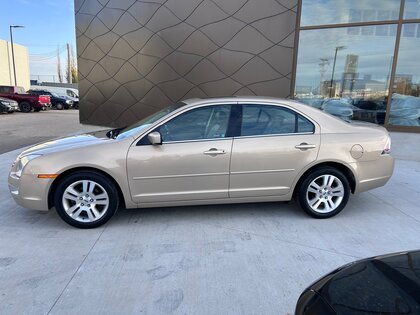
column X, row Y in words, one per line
column 136, row 57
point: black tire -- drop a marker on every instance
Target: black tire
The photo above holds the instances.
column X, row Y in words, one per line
column 321, row 196
column 25, row 107
column 76, row 105
column 104, row 183
column 59, row 106
column 37, row 109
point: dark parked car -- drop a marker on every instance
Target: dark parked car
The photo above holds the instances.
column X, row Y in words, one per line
column 8, row 106
column 57, row 101
column 26, row 101
column 388, row 284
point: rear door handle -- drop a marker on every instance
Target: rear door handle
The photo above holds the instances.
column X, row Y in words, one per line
column 214, row 152
column 305, row 146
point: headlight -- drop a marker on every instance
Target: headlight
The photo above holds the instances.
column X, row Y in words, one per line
column 69, row 102
column 21, row 163
column 5, row 102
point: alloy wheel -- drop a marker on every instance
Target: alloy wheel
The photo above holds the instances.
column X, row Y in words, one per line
column 85, row 201
column 325, row 193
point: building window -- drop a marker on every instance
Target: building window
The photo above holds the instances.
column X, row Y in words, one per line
column 322, row 12
column 405, row 101
column 346, row 71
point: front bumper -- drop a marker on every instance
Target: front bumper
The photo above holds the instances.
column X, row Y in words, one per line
column 29, row 191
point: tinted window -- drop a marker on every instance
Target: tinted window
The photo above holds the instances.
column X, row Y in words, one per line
column 6, row 89
column 209, row 122
column 271, row 120
column 304, row 125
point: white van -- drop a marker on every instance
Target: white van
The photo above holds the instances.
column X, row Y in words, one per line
column 70, row 93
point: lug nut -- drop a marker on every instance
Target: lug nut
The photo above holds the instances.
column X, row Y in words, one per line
column 88, row 205
column 83, row 204
column 81, row 198
column 91, row 200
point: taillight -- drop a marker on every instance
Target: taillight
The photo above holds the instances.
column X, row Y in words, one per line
column 387, row 147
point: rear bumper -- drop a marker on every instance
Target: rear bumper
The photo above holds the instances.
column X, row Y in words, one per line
column 373, row 174
column 30, row 192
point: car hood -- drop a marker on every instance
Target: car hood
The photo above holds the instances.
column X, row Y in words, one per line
column 388, row 284
column 67, row 143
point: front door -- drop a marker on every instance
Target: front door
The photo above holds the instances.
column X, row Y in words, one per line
column 192, row 163
column 274, row 145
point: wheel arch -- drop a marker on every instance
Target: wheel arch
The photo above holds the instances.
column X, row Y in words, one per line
column 341, row 167
column 54, row 184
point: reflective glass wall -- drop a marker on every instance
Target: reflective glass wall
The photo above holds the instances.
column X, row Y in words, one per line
column 358, row 60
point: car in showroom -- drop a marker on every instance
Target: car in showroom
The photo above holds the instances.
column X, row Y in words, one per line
column 387, row 284
column 206, row 151
column 8, row 106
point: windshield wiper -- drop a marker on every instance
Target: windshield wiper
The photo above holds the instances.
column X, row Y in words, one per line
column 114, row 132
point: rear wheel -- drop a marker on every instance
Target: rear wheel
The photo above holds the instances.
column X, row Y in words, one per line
column 324, row 192
column 59, row 106
column 25, row 107
column 86, row 199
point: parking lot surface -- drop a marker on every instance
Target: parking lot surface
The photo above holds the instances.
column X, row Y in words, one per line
column 21, row 129
column 222, row 259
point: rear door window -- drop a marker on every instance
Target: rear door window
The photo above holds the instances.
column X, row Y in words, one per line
column 272, row 120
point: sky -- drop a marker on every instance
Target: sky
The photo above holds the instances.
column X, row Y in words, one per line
column 48, row 24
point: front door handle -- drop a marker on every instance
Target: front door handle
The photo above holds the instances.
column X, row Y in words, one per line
column 305, row 146
column 214, row 152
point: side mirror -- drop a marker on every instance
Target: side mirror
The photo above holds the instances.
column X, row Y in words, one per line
column 155, row 138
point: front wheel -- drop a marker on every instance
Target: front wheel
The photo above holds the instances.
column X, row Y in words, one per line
column 324, row 192
column 86, row 199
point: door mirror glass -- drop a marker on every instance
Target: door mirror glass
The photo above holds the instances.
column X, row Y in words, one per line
column 154, row 138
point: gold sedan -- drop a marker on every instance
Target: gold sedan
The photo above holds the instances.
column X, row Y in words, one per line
column 206, row 151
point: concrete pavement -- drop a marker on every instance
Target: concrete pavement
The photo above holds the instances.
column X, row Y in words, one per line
column 18, row 130
column 224, row 259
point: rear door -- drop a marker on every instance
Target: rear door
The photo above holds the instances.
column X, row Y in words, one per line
column 275, row 143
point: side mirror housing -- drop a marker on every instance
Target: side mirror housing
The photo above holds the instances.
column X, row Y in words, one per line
column 155, row 138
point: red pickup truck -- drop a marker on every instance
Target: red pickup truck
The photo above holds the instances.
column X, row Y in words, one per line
column 26, row 101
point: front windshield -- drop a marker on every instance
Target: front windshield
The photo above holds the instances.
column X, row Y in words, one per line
column 145, row 122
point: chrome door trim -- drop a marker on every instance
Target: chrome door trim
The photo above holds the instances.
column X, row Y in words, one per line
column 176, row 176
column 264, row 171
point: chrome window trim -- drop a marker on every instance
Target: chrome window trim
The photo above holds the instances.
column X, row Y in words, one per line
column 197, row 140
column 276, row 135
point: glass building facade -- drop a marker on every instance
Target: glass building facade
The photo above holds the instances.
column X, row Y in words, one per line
column 358, row 60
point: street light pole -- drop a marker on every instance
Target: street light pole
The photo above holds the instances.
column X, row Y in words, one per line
column 333, row 69
column 13, row 50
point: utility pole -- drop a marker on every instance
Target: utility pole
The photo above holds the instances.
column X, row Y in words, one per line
column 333, row 69
column 60, row 77
column 13, row 50
column 69, row 64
